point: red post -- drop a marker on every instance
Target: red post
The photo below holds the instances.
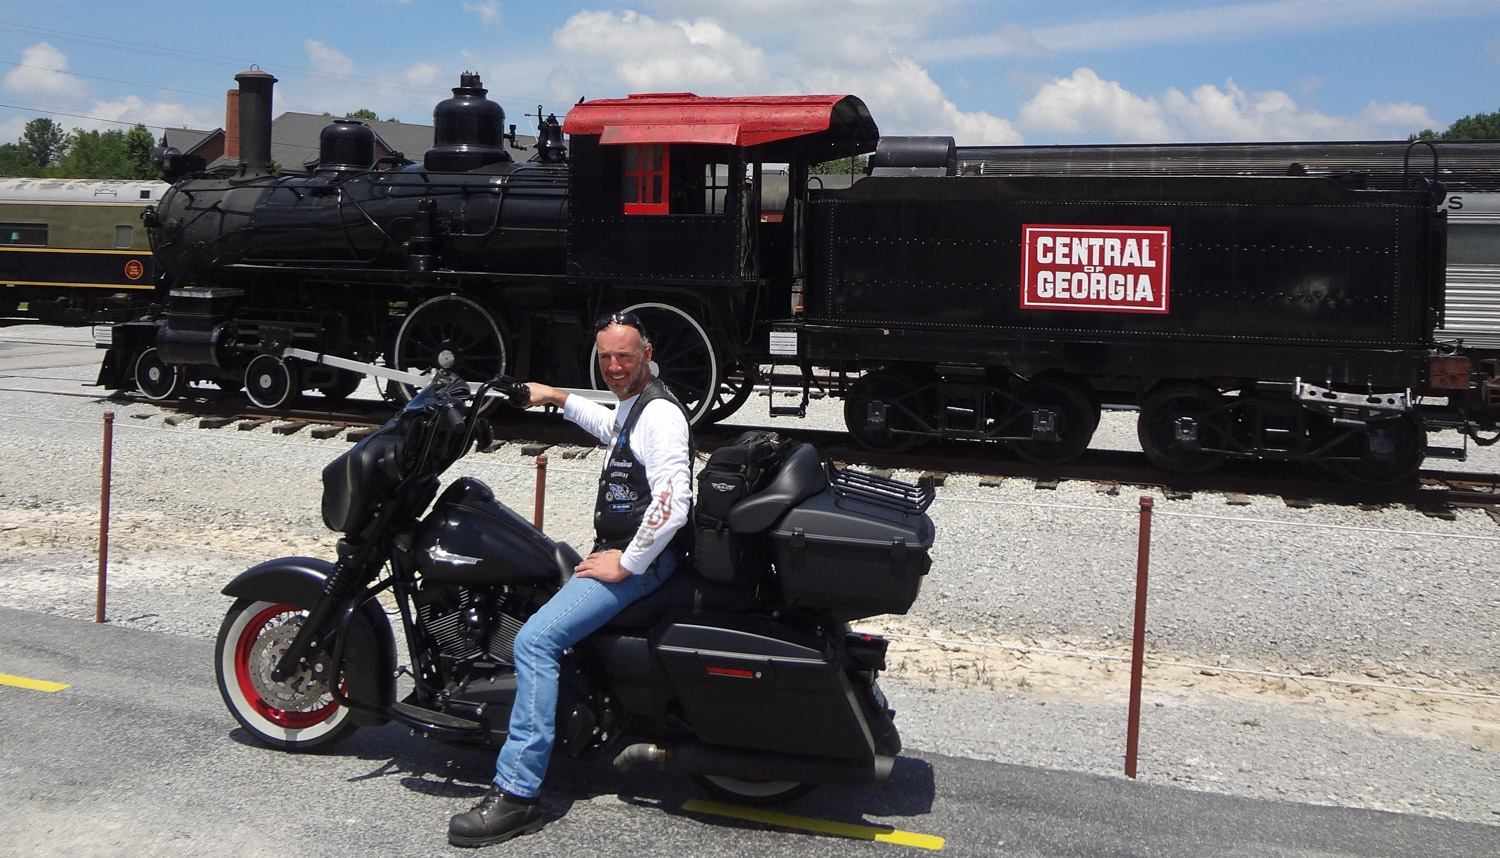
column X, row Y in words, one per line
column 541, row 489
column 1138, row 646
column 109, row 443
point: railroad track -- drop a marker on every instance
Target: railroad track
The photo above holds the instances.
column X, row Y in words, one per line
column 1436, row 492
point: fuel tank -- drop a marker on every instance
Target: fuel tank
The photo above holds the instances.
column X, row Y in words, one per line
column 471, row 538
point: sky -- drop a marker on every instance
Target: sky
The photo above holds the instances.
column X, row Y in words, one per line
column 995, row 72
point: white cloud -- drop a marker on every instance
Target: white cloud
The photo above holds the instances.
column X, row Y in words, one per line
column 1084, row 105
column 42, row 74
column 648, row 55
column 608, row 52
column 326, row 59
column 488, row 11
column 155, row 115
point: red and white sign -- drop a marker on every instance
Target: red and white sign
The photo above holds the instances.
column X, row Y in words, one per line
column 134, row 269
column 1112, row 269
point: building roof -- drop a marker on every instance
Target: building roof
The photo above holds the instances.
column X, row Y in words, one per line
column 295, row 139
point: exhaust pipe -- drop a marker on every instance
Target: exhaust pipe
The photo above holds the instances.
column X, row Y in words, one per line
column 698, row 759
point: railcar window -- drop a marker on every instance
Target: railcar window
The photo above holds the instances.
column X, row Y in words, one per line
column 646, row 171
column 123, row 235
column 1473, row 243
column 715, row 187
column 30, row 234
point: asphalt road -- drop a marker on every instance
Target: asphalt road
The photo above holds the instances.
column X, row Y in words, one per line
column 138, row 757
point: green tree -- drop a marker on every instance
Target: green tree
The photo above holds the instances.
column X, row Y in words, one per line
column 1480, row 126
column 841, row 166
column 364, row 113
column 138, row 145
column 94, row 155
column 15, row 161
column 43, row 141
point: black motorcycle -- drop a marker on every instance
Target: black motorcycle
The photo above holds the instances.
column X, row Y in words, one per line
column 741, row 670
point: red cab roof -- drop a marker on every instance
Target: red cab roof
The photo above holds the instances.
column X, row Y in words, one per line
column 682, row 117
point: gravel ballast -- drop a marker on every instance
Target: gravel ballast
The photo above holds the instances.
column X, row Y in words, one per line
column 1334, row 654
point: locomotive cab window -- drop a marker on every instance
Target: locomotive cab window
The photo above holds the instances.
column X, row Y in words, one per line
column 28, row 234
column 647, row 171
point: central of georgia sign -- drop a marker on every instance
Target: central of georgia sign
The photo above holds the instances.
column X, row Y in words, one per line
column 1112, row 269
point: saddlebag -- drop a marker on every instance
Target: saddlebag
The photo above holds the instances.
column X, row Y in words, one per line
column 745, row 682
column 732, row 473
column 858, row 548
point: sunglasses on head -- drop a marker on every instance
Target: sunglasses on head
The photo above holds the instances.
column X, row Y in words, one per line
column 628, row 319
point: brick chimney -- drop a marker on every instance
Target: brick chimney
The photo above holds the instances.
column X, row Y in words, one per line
column 232, row 124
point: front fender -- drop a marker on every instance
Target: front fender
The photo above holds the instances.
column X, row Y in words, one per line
column 370, row 651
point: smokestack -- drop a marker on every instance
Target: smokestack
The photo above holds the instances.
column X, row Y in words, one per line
column 253, row 106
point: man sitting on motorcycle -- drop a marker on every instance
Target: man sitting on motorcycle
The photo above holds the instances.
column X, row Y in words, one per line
column 644, row 495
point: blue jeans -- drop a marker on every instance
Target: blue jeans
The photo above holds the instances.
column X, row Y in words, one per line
column 582, row 606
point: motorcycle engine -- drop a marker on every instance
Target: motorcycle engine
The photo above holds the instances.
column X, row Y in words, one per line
column 468, row 624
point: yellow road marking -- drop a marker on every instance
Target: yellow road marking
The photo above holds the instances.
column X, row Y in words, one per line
column 33, row 684
column 820, row 826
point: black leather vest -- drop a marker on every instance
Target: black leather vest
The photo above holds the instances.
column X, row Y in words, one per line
column 624, row 491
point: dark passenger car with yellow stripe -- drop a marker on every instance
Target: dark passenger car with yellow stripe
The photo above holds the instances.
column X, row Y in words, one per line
column 73, row 251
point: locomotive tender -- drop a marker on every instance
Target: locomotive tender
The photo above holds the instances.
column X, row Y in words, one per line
column 1282, row 317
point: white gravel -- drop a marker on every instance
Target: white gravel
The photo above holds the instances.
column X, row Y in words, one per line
column 1286, row 643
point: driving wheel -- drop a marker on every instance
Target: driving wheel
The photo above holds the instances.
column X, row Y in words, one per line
column 734, row 389
column 449, row 332
column 682, row 354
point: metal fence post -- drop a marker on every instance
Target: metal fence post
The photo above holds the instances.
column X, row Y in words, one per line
column 1138, row 645
column 109, row 443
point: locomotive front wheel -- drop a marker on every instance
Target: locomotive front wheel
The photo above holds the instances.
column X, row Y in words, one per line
column 1183, row 428
column 156, row 379
column 884, row 412
column 297, row 714
column 1389, row 452
column 1073, row 422
column 449, row 332
column 682, row 354
column 270, row 382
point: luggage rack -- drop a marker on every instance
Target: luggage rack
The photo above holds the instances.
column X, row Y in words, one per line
column 905, row 498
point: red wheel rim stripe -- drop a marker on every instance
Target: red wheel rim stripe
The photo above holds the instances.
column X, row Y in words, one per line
column 279, row 717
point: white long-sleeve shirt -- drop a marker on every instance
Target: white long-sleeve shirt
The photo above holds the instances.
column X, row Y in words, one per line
column 661, row 442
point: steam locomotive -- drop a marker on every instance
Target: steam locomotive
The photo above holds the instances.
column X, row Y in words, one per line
column 1286, row 317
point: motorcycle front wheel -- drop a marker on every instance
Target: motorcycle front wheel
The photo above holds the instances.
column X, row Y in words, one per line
column 298, row 714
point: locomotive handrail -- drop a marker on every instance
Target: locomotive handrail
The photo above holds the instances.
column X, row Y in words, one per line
column 603, row 397
column 1406, row 162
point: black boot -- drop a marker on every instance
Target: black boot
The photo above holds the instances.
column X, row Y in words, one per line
column 495, row 819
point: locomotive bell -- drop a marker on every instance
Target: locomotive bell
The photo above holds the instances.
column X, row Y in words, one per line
column 468, row 130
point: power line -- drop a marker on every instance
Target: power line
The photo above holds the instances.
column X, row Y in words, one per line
column 52, row 111
column 220, row 60
column 112, row 80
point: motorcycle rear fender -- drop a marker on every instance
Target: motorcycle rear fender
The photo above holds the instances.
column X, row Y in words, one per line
column 369, row 653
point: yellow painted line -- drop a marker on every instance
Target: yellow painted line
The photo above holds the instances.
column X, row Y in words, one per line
column 33, row 684
column 102, row 252
column 140, row 287
column 819, row 826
